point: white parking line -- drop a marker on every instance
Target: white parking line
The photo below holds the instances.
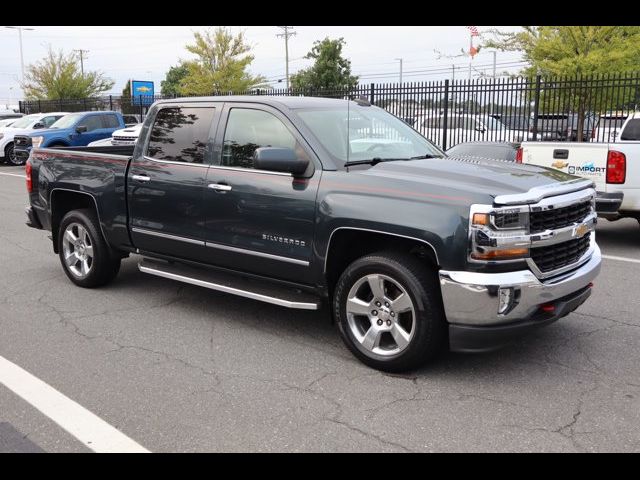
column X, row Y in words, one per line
column 621, row 259
column 13, row 175
column 88, row 428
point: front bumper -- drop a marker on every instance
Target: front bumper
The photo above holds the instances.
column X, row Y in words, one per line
column 472, row 300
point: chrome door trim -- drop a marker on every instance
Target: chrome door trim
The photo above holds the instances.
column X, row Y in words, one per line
column 167, row 236
column 251, row 170
column 201, row 165
column 257, row 254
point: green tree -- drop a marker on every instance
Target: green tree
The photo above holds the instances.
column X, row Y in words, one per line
column 569, row 51
column 221, row 64
column 58, row 76
column 171, row 83
column 330, row 69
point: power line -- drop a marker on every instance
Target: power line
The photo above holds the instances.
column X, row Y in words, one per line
column 286, row 36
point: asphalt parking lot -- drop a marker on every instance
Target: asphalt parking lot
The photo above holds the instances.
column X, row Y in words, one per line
column 179, row 368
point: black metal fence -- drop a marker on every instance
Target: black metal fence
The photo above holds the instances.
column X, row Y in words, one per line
column 450, row 112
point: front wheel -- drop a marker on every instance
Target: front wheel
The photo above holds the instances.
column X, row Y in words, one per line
column 389, row 311
column 83, row 251
column 10, row 156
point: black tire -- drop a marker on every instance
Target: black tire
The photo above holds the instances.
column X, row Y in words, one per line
column 10, row 157
column 421, row 283
column 104, row 266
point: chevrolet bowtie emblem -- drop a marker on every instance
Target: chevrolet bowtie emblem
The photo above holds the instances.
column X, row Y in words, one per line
column 581, row 230
column 559, row 164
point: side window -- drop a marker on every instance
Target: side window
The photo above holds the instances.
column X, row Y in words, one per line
column 110, row 121
column 250, row 129
column 632, row 130
column 48, row 121
column 92, row 122
column 180, row 134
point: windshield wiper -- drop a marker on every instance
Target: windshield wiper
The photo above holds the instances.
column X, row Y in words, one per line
column 376, row 160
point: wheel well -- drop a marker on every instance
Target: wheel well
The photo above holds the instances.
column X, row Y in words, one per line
column 6, row 147
column 348, row 245
column 62, row 202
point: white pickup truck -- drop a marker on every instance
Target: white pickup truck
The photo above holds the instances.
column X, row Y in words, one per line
column 614, row 167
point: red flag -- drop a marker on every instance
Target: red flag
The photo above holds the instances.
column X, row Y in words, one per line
column 473, row 51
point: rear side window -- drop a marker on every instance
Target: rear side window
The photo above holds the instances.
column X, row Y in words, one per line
column 111, row 121
column 250, row 129
column 632, row 130
column 180, row 134
column 92, row 122
column 48, row 121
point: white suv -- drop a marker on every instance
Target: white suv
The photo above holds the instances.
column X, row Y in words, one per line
column 24, row 126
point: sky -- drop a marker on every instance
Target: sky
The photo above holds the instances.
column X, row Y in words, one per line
column 147, row 52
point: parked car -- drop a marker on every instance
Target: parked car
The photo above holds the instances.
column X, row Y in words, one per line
column 23, row 126
column 561, row 127
column 265, row 198
column 7, row 114
column 126, row 136
column 7, row 122
column 466, row 128
column 131, row 119
column 506, row 151
column 73, row 130
column 608, row 127
column 613, row 167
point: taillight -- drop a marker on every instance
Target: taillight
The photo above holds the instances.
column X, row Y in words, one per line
column 519, row 155
column 27, row 171
column 616, row 167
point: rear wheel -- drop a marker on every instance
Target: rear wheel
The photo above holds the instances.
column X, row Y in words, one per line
column 389, row 311
column 83, row 251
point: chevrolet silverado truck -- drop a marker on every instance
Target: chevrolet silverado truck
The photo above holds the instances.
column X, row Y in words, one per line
column 301, row 202
column 612, row 166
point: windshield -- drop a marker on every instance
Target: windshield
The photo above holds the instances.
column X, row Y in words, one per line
column 67, row 120
column 24, row 122
column 493, row 124
column 365, row 133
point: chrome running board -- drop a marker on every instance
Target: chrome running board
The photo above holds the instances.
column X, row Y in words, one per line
column 231, row 283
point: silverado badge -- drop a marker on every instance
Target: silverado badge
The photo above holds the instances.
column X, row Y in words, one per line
column 559, row 164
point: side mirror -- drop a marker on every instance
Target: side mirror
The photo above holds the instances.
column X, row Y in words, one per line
column 81, row 129
column 279, row 160
column 38, row 125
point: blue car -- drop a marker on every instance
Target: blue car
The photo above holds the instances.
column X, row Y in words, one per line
column 73, row 130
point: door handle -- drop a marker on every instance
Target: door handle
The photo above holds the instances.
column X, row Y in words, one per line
column 220, row 187
column 141, row 178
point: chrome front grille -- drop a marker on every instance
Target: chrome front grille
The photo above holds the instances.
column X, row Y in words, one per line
column 560, row 255
column 22, row 141
column 559, row 217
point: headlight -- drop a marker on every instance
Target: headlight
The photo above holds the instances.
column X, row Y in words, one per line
column 36, row 141
column 498, row 233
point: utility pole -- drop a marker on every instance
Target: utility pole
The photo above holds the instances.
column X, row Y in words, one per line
column 400, row 59
column 81, row 52
column 20, row 37
column 453, row 73
column 494, row 64
column 286, row 36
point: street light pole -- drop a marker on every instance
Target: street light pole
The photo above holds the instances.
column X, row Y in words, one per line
column 21, row 55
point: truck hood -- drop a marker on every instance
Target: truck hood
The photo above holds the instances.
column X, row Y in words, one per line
column 49, row 132
column 477, row 177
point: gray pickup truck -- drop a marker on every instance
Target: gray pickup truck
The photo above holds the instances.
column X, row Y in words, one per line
column 298, row 201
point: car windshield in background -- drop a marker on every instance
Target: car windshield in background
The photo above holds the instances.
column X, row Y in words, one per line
column 24, row 122
column 359, row 133
column 67, row 120
column 497, row 152
column 493, row 124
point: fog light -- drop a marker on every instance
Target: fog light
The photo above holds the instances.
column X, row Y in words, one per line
column 506, row 297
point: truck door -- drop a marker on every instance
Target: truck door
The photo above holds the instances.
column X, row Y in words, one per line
column 94, row 131
column 259, row 221
column 165, row 182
